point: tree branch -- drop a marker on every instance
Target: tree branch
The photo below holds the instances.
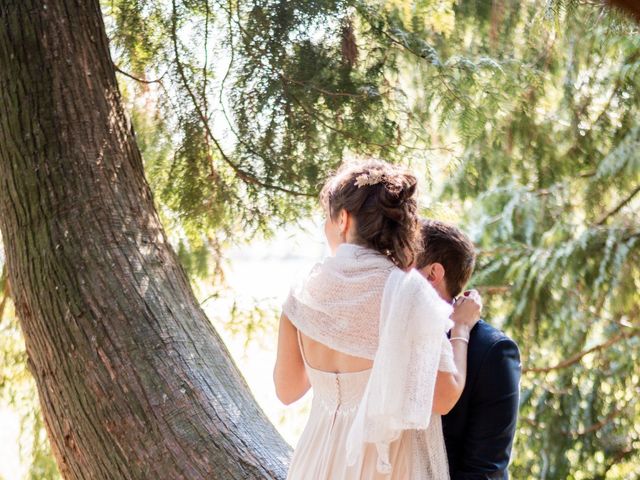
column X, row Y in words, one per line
column 137, row 79
column 324, row 122
column 249, row 146
column 580, row 355
column 455, row 95
column 240, row 173
column 493, row 289
column 618, row 207
column 599, row 425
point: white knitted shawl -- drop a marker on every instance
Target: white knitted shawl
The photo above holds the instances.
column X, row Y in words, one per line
column 358, row 302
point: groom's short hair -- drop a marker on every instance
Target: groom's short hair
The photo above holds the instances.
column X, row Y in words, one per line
column 447, row 245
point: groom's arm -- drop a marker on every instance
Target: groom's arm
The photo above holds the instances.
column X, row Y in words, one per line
column 493, row 412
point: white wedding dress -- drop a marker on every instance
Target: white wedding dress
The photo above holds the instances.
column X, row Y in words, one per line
column 377, row 423
column 320, row 453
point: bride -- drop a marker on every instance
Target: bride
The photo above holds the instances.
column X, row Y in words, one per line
column 368, row 334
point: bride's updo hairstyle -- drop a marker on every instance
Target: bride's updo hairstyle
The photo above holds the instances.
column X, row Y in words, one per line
column 381, row 199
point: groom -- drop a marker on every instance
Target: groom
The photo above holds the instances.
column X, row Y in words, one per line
column 479, row 429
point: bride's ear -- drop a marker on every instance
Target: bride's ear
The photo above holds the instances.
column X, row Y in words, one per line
column 344, row 222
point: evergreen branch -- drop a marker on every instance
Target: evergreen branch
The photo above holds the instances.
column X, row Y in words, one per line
column 325, row 124
column 606, row 106
column 322, row 90
column 249, row 146
column 616, row 88
column 439, row 76
column 580, row 355
column 500, row 251
column 137, row 79
column 347, row 134
column 492, row 289
column 206, row 60
column 285, row 79
column 619, row 207
column 214, row 173
column 602, row 423
column 588, row 99
column 240, row 173
column 615, row 460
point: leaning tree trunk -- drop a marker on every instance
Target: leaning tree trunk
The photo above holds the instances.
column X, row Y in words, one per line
column 133, row 380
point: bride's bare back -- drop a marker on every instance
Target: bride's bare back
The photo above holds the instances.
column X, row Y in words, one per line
column 321, row 357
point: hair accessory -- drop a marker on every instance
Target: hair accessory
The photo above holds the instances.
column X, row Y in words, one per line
column 372, row 178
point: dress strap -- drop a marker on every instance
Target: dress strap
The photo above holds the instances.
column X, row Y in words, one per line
column 301, row 347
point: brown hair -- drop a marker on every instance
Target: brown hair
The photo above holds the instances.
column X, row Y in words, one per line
column 447, row 245
column 385, row 212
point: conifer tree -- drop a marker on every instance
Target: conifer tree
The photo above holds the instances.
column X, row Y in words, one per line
column 242, row 108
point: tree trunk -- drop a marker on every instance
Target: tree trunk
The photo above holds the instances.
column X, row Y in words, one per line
column 630, row 6
column 133, row 380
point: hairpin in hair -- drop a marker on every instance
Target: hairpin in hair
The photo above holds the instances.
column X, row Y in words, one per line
column 371, row 178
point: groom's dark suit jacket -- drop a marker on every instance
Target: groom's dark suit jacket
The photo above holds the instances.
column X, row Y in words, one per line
column 479, row 430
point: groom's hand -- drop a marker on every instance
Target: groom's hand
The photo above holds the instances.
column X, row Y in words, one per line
column 466, row 313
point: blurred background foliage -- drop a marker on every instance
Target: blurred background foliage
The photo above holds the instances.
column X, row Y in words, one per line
column 520, row 115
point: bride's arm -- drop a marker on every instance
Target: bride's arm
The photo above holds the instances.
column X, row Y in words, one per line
column 289, row 375
column 449, row 386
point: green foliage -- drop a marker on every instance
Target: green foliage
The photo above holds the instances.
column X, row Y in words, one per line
column 532, row 107
column 241, row 108
column 551, row 185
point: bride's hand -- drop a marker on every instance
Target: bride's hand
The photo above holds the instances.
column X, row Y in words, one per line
column 466, row 313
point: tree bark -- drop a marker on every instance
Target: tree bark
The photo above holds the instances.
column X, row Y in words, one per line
column 133, row 380
column 630, row 6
